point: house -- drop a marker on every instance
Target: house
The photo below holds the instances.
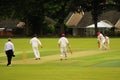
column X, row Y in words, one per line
column 6, row 32
column 79, row 23
column 117, row 27
column 104, row 27
column 7, row 26
column 74, row 19
column 2, row 31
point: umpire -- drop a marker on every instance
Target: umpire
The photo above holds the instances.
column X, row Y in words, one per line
column 9, row 50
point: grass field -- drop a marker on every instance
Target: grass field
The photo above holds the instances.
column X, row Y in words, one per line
column 86, row 63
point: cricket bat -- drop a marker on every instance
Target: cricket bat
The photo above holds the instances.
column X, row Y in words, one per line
column 98, row 44
column 69, row 48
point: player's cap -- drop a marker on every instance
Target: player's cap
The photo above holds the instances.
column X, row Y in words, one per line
column 98, row 33
column 63, row 35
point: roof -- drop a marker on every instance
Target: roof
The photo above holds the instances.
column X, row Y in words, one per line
column 112, row 16
column 118, row 24
column 74, row 19
column 101, row 24
column 8, row 23
column 1, row 29
column 87, row 19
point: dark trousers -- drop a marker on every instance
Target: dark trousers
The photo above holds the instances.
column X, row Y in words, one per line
column 9, row 54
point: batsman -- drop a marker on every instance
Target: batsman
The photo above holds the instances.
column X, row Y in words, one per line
column 63, row 43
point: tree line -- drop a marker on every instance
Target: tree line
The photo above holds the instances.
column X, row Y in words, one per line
column 33, row 13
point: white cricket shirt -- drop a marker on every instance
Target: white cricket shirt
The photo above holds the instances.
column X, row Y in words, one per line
column 35, row 42
column 63, row 41
column 9, row 46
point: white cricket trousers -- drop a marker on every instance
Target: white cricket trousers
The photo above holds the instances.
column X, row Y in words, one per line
column 63, row 53
column 102, row 45
column 36, row 52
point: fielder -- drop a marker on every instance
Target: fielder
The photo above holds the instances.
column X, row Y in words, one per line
column 35, row 42
column 63, row 43
column 101, row 41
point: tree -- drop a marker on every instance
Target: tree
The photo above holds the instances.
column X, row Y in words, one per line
column 95, row 6
column 33, row 12
column 58, row 10
column 29, row 11
column 117, row 2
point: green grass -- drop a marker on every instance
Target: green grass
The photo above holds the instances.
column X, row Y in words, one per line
column 47, row 72
column 103, row 66
column 50, row 46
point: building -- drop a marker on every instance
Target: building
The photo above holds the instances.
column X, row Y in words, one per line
column 7, row 26
column 79, row 21
column 117, row 27
column 103, row 26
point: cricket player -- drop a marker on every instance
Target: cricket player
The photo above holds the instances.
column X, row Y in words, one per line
column 9, row 50
column 101, row 41
column 35, row 42
column 63, row 43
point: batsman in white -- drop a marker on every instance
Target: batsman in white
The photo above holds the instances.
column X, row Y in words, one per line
column 35, row 42
column 101, row 40
column 63, row 43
